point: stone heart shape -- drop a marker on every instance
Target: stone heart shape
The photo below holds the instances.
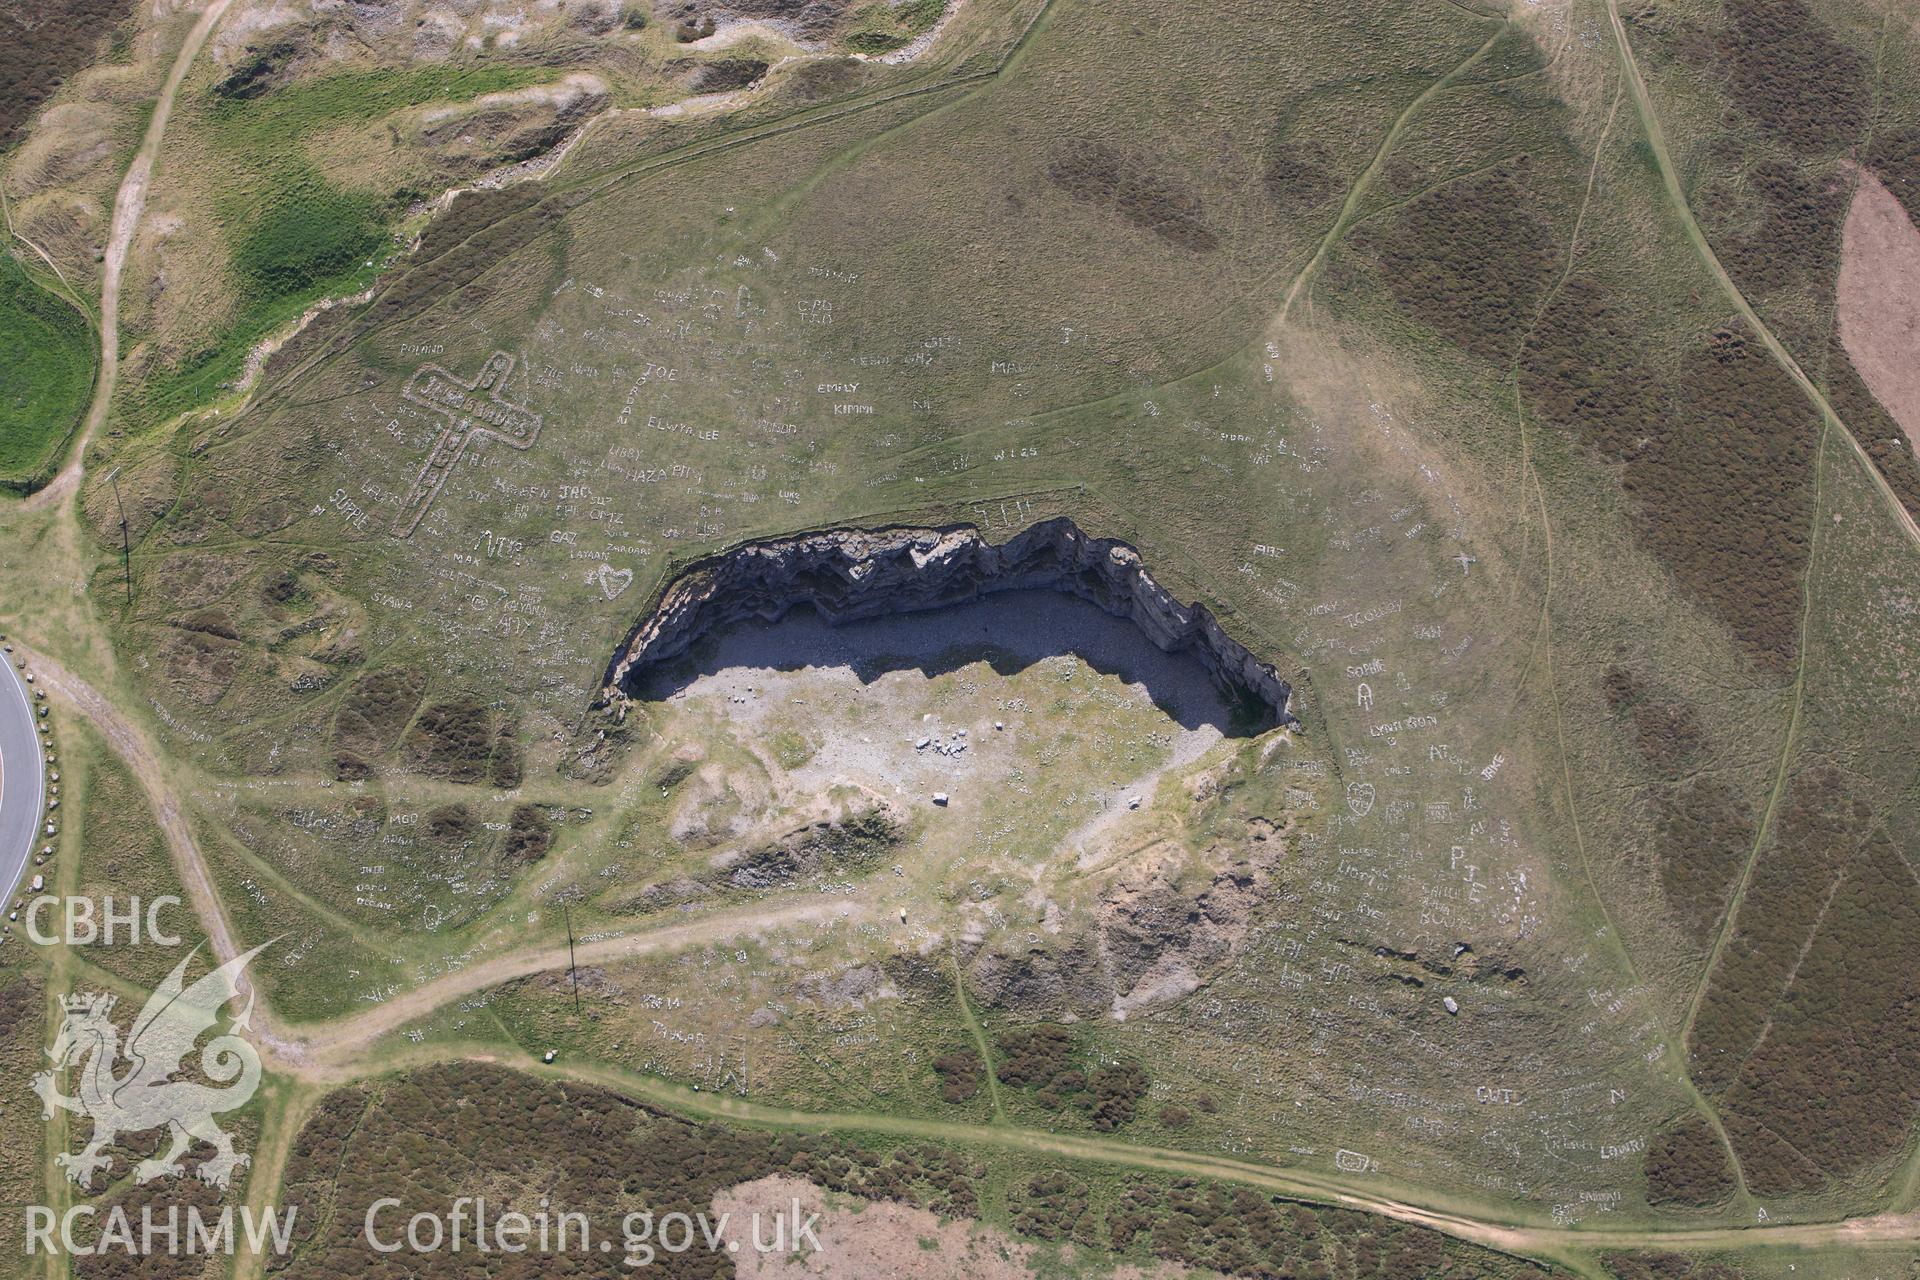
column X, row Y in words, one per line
column 613, row 581
column 1360, row 798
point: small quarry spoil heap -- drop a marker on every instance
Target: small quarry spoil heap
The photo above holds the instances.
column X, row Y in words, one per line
column 849, row 574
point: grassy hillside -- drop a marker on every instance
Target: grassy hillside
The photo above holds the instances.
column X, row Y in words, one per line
column 46, row 374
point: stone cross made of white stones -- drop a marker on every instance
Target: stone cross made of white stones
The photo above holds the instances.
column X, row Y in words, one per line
column 478, row 407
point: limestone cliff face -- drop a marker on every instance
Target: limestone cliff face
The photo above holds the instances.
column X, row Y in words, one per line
column 849, row 574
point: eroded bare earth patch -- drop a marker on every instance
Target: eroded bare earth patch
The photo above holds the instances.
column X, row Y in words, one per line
column 1879, row 304
column 858, row 1239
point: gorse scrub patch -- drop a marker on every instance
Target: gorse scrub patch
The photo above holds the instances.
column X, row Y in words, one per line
column 1704, row 834
column 42, row 42
column 1791, row 76
column 1838, row 1069
column 1469, row 260
column 1045, row 1059
column 1809, row 1025
column 529, row 834
column 46, row 373
column 1717, row 455
column 1298, row 173
column 960, row 1074
column 1727, row 487
column 1239, row 1231
column 1665, row 1266
column 1794, row 878
column 452, row 739
column 1097, row 174
column 1667, row 731
column 1686, row 1166
column 376, row 708
column 1704, row 828
column 1794, row 231
column 1053, row 1206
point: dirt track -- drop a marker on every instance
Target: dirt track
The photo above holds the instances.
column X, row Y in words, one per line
column 337, row 1051
column 332, row 1053
column 130, row 744
column 128, row 204
column 1677, row 197
column 334, row 1050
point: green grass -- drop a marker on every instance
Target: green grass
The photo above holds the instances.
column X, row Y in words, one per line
column 883, row 27
column 268, row 123
column 307, row 242
column 313, row 235
column 309, row 238
column 46, row 374
column 293, row 254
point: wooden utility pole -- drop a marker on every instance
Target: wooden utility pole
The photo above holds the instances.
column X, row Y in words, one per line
column 571, row 971
column 126, row 548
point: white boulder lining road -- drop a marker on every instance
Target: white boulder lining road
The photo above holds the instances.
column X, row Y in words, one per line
column 23, row 779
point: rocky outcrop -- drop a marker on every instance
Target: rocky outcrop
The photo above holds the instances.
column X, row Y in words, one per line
column 1047, row 979
column 1161, row 928
column 849, row 574
column 1160, row 940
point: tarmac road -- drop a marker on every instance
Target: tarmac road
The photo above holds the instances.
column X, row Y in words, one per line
column 23, row 781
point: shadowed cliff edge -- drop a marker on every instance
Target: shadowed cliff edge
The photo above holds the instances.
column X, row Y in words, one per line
column 852, row 574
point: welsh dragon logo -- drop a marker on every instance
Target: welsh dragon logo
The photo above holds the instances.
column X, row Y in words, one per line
column 145, row 1096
